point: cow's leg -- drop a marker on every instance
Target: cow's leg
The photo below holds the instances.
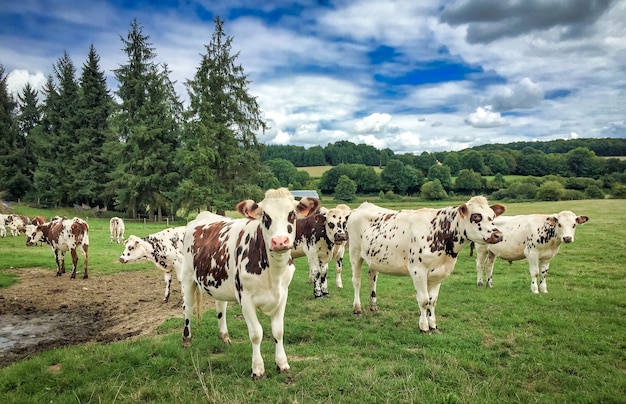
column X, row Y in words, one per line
column 191, row 291
column 338, row 269
column 57, row 258
column 543, row 285
column 420, row 283
column 373, row 277
column 277, row 324
column 74, row 262
column 433, row 295
column 490, row 261
column 255, row 332
column 167, row 278
column 220, row 308
column 324, row 278
column 84, row 251
column 314, row 266
column 356, row 262
column 533, row 268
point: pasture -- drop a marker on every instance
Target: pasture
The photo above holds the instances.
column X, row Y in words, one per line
column 503, row 344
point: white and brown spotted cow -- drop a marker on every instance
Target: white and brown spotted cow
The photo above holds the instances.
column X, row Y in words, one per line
column 536, row 237
column 164, row 248
column 248, row 261
column 319, row 238
column 116, row 229
column 422, row 244
column 16, row 224
column 63, row 235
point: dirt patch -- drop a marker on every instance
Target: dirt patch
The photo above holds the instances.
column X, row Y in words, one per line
column 44, row 311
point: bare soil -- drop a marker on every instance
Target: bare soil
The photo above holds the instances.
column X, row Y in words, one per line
column 44, row 311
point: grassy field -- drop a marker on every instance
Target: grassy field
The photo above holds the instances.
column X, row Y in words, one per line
column 497, row 345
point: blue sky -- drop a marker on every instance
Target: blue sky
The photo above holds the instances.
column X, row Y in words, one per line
column 412, row 76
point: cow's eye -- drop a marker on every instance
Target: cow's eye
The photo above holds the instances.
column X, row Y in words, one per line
column 292, row 217
column 476, row 218
column 267, row 220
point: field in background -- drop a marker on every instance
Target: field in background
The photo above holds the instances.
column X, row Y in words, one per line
column 503, row 344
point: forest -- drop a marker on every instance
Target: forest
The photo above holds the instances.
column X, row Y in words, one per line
column 138, row 150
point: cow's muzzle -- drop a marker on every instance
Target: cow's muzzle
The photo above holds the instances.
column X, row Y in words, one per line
column 496, row 237
column 340, row 238
column 280, row 244
column 123, row 260
column 568, row 239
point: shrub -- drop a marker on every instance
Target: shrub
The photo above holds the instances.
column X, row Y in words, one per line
column 594, row 192
column 551, row 191
column 573, row 194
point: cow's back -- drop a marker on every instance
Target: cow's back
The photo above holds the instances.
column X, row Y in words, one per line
column 517, row 231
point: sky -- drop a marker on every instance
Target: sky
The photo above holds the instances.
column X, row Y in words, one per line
column 412, row 76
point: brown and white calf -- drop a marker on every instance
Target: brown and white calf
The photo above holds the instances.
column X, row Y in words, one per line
column 319, row 237
column 164, row 248
column 63, row 235
column 245, row 260
column 535, row 237
column 116, row 229
column 423, row 244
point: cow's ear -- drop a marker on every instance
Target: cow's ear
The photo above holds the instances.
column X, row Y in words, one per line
column 581, row 219
column 498, row 209
column 249, row 209
column 307, row 206
column 463, row 210
column 552, row 220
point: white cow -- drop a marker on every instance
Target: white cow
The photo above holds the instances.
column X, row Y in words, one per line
column 320, row 237
column 248, row 261
column 116, row 229
column 535, row 237
column 164, row 248
column 422, row 244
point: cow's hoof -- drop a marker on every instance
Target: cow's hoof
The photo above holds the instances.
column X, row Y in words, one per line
column 186, row 342
column 284, row 370
column 435, row 331
column 356, row 310
column 256, row 377
column 85, row 277
column 317, row 295
column 479, row 284
column 225, row 338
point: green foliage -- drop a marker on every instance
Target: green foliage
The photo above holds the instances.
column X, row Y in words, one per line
column 433, row 190
column 345, row 189
column 551, row 191
column 441, row 173
column 365, row 178
column 468, row 182
column 593, row 192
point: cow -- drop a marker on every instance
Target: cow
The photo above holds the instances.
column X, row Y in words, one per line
column 116, row 229
column 37, row 220
column 63, row 235
column 246, row 260
column 536, row 237
column 16, row 223
column 319, row 237
column 164, row 248
column 423, row 244
column 3, row 224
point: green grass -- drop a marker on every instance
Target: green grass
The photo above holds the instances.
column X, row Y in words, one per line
column 497, row 345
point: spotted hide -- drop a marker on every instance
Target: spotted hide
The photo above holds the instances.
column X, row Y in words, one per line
column 319, row 237
column 116, row 229
column 248, row 261
column 536, row 237
column 63, row 235
column 422, row 244
column 164, row 248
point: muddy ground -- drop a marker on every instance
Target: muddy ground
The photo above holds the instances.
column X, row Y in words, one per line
column 44, row 311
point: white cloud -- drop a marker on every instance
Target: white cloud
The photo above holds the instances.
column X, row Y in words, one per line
column 374, row 123
column 17, row 79
column 485, row 118
column 524, row 95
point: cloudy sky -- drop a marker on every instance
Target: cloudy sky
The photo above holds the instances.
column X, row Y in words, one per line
column 409, row 75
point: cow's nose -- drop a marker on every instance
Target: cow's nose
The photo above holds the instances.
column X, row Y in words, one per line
column 567, row 239
column 122, row 260
column 280, row 243
column 496, row 237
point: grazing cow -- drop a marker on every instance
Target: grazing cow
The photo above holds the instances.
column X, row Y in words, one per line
column 245, row 260
column 116, row 229
column 63, row 235
column 422, row 244
column 16, row 223
column 164, row 248
column 316, row 238
column 535, row 237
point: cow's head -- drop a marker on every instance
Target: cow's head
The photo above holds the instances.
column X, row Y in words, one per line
column 479, row 216
column 565, row 225
column 34, row 234
column 277, row 213
column 135, row 249
column 336, row 219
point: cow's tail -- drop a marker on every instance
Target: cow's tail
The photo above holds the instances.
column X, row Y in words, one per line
column 472, row 249
column 198, row 299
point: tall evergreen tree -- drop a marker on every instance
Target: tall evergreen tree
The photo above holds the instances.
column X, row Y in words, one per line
column 147, row 126
column 29, row 120
column 222, row 154
column 90, row 164
column 12, row 179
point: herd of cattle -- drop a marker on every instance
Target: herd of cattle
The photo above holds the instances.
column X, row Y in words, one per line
column 250, row 260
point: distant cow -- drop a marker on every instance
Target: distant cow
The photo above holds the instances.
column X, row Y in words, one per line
column 3, row 224
column 63, row 235
column 164, row 248
column 116, row 229
column 37, row 220
column 535, row 237
column 316, row 237
column 248, row 261
column 16, row 223
column 422, row 244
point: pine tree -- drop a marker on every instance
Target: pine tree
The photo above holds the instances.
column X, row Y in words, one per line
column 12, row 181
column 90, row 163
column 29, row 120
column 148, row 128
column 222, row 154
